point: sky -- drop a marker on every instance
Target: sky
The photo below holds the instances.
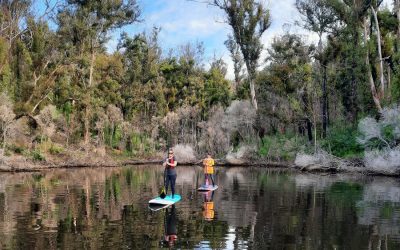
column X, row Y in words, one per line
column 184, row 21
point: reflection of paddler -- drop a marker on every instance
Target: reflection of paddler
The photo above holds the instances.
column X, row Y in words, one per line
column 208, row 206
column 170, row 235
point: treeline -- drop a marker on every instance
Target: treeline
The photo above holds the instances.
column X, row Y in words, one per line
column 319, row 92
column 62, row 74
column 351, row 73
column 61, row 87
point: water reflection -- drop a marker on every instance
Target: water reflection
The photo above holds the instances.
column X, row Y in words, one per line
column 208, row 206
column 170, row 231
column 252, row 208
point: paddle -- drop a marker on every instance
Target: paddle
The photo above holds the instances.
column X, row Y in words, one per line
column 163, row 194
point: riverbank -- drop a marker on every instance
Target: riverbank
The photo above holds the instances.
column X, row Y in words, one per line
column 23, row 164
column 79, row 158
column 302, row 163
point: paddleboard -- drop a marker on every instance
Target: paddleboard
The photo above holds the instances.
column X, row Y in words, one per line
column 207, row 188
column 156, row 207
column 168, row 200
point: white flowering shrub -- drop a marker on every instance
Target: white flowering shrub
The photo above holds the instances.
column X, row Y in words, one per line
column 184, row 153
column 384, row 133
column 381, row 140
column 385, row 161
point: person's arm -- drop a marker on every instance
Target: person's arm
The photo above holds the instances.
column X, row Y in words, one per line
column 172, row 165
column 175, row 163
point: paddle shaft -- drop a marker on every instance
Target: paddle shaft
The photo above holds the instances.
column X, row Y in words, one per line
column 165, row 174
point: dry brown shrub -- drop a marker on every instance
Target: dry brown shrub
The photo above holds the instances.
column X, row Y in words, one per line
column 222, row 125
column 184, row 153
column 21, row 134
column 6, row 118
column 171, row 125
column 215, row 138
column 46, row 120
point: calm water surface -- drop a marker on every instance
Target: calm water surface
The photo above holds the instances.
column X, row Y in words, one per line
column 253, row 209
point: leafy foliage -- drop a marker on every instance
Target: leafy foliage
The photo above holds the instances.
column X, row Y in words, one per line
column 282, row 147
column 342, row 141
column 60, row 81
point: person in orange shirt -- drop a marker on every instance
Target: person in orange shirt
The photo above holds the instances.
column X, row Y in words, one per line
column 208, row 164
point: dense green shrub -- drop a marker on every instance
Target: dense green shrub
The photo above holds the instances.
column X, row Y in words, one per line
column 17, row 149
column 54, row 149
column 342, row 142
column 282, row 147
column 37, row 155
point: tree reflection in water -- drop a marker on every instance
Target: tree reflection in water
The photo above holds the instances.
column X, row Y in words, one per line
column 253, row 208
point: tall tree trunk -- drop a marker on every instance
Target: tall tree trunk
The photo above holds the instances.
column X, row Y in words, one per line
column 252, row 73
column 86, row 125
column 253, row 94
column 378, row 38
column 315, row 131
column 396, row 6
column 4, row 140
column 88, row 106
column 324, row 103
column 309, row 129
column 353, row 93
column 91, row 69
column 322, row 63
column 388, row 96
column 353, row 84
column 374, row 93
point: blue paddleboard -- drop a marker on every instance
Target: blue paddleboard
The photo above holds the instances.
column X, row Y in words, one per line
column 168, row 200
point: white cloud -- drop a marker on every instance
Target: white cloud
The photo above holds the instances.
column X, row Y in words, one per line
column 183, row 21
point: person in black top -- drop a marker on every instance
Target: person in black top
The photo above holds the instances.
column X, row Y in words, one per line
column 170, row 178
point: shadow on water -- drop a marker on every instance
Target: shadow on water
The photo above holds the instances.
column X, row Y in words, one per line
column 252, row 208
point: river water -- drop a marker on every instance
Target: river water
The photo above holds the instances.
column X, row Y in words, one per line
column 254, row 208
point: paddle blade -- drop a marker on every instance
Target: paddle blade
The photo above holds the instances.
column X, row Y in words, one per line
column 163, row 194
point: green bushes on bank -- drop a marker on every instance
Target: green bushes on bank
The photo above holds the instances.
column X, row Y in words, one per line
column 342, row 142
column 282, row 147
column 37, row 155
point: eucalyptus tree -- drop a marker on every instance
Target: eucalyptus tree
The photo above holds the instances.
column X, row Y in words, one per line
column 85, row 25
column 396, row 5
column 374, row 5
column 13, row 19
column 351, row 14
column 12, row 14
column 142, row 84
column 318, row 17
column 249, row 20
column 237, row 59
column 46, row 65
column 288, row 77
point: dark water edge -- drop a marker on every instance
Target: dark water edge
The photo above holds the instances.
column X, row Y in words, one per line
column 254, row 208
